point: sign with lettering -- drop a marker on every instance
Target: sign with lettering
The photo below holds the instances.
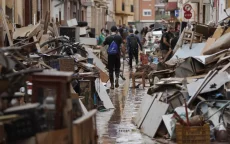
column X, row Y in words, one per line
column 188, row 15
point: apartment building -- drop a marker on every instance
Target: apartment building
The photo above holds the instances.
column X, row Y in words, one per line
column 123, row 10
column 146, row 10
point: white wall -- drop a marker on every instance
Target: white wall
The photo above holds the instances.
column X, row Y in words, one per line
column 55, row 10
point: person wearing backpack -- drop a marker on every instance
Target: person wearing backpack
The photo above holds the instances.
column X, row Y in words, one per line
column 115, row 42
column 133, row 43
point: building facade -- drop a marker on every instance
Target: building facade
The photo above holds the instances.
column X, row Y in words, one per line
column 124, row 9
column 147, row 10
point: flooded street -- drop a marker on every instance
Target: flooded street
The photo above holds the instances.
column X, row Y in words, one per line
column 116, row 126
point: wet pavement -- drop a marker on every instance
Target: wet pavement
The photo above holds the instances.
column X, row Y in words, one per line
column 116, row 126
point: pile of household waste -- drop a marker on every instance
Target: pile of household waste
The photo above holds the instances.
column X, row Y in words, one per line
column 51, row 82
column 189, row 98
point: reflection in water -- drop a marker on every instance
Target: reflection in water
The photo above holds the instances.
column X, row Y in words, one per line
column 115, row 126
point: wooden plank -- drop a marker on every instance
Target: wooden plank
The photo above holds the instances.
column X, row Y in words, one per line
column 37, row 45
column 5, row 25
column 218, row 33
column 40, row 35
column 103, row 76
column 53, row 137
column 145, row 104
column 154, row 118
column 84, row 129
column 101, row 90
column 46, row 23
column 209, row 42
column 88, row 41
column 56, row 32
column 143, row 116
column 225, row 68
column 84, row 110
column 227, row 31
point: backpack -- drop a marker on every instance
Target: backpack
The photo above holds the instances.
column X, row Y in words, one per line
column 113, row 48
column 133, row 43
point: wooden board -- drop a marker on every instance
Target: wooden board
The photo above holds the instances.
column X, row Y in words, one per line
column 84, row 129
column 227, row 31
column 84, row 110
column 146, row 110
column 145, row 104
column 5, row 25
column 154, row 118
column 96, row 60
column 218, row 33
column 66, row 64
column 88, row 41
column 103, row 75
column 101, row 90
column 53, row 137
column 44, row 38
column 209, row 42
column 37, row 45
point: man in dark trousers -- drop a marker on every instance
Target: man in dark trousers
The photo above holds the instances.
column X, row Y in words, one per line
column 165, row 44
column 133, row 43
column 115, row 42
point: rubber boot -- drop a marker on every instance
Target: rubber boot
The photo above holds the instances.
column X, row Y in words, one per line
column 112, row 83
column 117, row 82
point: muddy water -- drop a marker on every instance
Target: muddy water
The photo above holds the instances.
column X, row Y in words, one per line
column 116, row 126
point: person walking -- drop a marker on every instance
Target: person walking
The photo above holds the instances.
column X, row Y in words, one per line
column 133, row 44
column 115, row 43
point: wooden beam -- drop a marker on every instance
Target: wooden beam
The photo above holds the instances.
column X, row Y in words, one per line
column 5, row 25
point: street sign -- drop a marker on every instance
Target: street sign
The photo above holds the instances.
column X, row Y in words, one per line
column 188, row 15
column 177, row 12
column 187, row 8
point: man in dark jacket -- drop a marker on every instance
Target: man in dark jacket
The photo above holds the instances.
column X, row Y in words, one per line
column 114, row 60
column 133, row 44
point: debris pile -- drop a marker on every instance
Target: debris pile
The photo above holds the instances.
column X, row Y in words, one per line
column 189, row 93
column 51, row 80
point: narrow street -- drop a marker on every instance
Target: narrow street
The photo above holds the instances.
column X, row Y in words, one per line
column 116, row 126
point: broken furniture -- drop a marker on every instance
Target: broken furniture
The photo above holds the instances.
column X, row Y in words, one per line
column 84, row 129
column 138, row 75
column 52, row 89
column 160, row 74
column 192, row 37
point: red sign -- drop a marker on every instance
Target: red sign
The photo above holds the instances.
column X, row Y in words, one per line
column 187, row 8
column 188, row 15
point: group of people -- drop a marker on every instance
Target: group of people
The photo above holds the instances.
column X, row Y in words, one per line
column 168, row 41
column 116, row 42
column 123, row 39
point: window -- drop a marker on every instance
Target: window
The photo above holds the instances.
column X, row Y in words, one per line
column 123, row 6
column 147, row 12
column 132, row 8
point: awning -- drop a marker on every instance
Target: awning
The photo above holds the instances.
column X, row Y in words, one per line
column 171, row 6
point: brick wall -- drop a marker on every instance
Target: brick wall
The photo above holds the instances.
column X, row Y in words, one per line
column 147, row 5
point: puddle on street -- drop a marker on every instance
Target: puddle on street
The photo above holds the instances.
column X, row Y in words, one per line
column 116, row 126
